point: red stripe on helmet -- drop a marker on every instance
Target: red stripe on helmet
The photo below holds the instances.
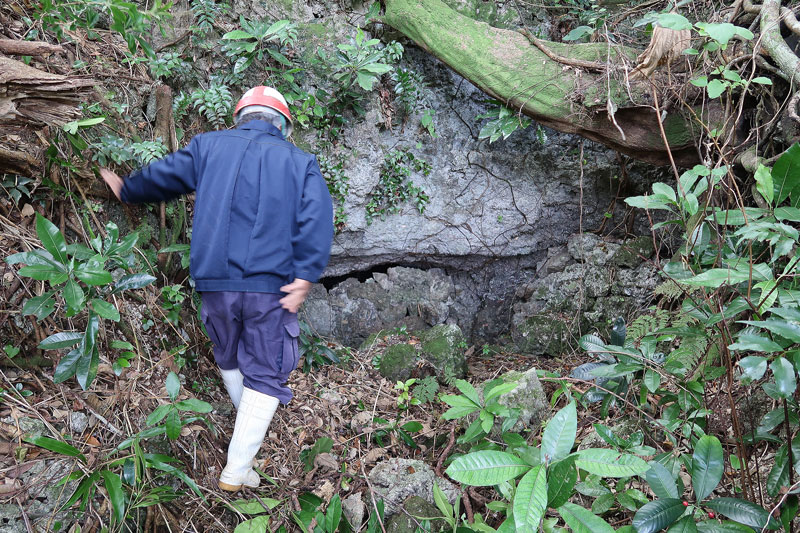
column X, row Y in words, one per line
column 258, row 98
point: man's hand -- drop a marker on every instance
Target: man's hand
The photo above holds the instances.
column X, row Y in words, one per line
column 113, row 181
column 296, row 294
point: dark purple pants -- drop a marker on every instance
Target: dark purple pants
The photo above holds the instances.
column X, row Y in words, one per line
column 251, row 332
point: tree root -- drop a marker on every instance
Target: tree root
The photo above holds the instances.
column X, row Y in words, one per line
column 582, row 63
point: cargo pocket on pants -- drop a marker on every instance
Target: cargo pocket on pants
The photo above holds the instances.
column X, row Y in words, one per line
column 290, row 356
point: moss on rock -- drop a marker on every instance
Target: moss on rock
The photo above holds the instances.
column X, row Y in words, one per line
column 398, row 361
column 443, row 347
column 416, row 509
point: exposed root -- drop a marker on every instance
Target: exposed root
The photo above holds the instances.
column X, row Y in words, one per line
column 666, row 46
column 581, row 63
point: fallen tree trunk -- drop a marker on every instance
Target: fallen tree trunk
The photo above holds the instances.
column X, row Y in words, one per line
column 31, row 97
column 28, row 48
column 553, row 83
column 29, row 100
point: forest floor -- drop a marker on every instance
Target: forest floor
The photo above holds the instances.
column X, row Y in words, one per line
column 336, row 402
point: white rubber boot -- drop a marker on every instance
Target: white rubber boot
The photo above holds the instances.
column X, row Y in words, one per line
column 234, row 384
column 252, row 420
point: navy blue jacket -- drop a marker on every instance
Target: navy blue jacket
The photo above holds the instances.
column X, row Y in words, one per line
column 263, row 215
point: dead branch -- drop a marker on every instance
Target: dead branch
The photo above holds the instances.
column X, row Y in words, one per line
column 666, row 47
column 581, row 63
column 28, row 48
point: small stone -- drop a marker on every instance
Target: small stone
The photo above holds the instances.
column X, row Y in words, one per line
column 353, row 509
column 331, row 396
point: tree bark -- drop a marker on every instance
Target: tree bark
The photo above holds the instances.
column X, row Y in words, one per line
column 31, row 97
column 555, row 93
column 28, row 48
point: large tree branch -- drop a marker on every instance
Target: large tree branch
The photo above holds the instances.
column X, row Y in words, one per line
column 505, row 65
column 773, row 42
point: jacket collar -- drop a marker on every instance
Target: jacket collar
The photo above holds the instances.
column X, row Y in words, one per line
column 261, row 125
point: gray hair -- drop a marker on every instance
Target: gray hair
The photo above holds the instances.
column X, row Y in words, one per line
column 264, row 113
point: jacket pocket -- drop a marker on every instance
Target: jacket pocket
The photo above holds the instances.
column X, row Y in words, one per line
column 291, row 354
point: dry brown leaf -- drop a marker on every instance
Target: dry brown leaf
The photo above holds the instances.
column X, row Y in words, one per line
column 325, row 491
column 374, row 454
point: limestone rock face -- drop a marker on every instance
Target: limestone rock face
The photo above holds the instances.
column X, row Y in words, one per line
column 594, row 282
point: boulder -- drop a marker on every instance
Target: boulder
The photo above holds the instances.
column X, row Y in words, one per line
column 528, row 397
column 395, row 480
column 398, row 361
column 413, row 513
column 444, row 346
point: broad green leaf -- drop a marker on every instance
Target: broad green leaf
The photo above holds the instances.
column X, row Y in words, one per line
column 365, row 80
column 582, row 520
column 684, row 525
column 56, row 446
column 578, row 33
column 652, row 380
column 175, row 248
column 199, row 406
column 664, row 190
column 744, row 512
column 173, row 424
column 784, row 374
column 259, row 524
column 720, row 32
column 334, row 514
column 657, row 515
column 86, row 369
column 755, row 343
column 105, row 309
column 65, row 339
column 499, row 390
column 254, row 506
column 93, row 274
column 592, row 344
column 562, row 477
column 673, row 21
column 530, row 499
column 559, row 434
column 52, row 239
column 158, row 414
column 468, row 390
column 236, row 35
column 661, row 481
column 458, row 412
column 602, row 504
column 173, row 385
column 786, row 175
column 113, row 484
column 40, row 306
column 784, row 328
column 726, row 526
column 377, row 68
column 457, row 400
column 133, row 281
column 764, row 183
column 610, row 463
column 36, row 257
column 73, row 295
column 441, row 501
column 486, row 468
column 792, row 214
column 49, row 273
column 753, row 367
column 789, row 511
column 67, row 365
column 707, row 466
column 714, row 277
column 779, row 475
column 715, row 88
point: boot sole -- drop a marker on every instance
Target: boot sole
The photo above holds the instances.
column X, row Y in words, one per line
column 227, row 487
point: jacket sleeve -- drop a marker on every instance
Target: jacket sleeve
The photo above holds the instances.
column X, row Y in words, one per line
column 312, row 241
column 164, row 179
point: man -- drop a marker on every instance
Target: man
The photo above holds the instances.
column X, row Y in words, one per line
column 262, row 232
